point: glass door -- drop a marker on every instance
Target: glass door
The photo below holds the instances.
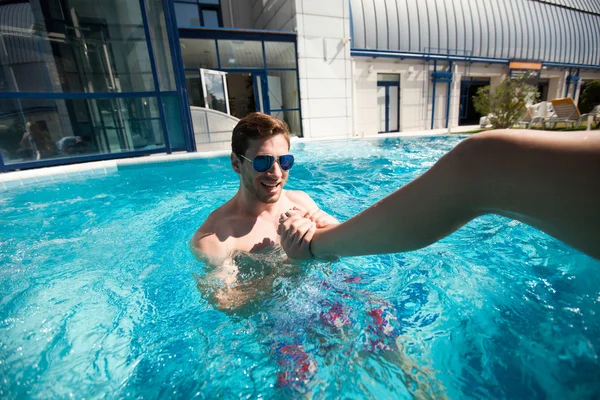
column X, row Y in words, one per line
column 214, row 90
column 388, row 106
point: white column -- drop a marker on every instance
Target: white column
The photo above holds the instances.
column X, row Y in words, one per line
column 325, row 67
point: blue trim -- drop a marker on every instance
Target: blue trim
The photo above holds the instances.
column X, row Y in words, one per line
column 387, row 108
column 453, row 57
column 73, row 160
column 75, row 96
column 161, row 108
column 433, row 101
column 286, row 109
column 448, row 96
column 428, row 56
column 186, row 114
column 242, row 69
column 245, row 69
column 280, row 69
column 194, row 32
column 387, row 83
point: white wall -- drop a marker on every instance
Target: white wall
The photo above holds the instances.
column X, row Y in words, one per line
column 325, row 67
column 416, row 92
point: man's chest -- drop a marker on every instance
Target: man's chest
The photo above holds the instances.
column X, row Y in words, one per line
column 258, row 237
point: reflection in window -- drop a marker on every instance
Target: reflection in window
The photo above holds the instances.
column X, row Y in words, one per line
column 210, row 18
column 194, row 86
column 187, row 14
column 215, row 92
column 283, row 90
column 292, row 118
column 74, row 46
column 174, row 123
column 241, row 54
column 160, row 44
column 198, row 13
column 199, row 53
column 40, row 129
column 280, row 54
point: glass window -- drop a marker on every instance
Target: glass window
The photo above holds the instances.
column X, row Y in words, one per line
column 41, row 129
column 213, row 2
column 210, row 18
column 99, row 46
column 241, row 54
column 194, row 86
column 174, row 126
column 160, row 44
column 187, row 14
column 283, row 90
column 388, row 77
column 280, row 54
column 199, row 53
column 292, row 118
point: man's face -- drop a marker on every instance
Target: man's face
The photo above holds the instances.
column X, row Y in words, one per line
column 266, row 186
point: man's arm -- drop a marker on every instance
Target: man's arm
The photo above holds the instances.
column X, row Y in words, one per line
column 207, row 247
column 546, row 179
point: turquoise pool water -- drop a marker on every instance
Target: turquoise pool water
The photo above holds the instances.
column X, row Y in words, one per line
column 98, row 295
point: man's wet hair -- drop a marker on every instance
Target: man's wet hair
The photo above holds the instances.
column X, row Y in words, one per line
column 256, row 126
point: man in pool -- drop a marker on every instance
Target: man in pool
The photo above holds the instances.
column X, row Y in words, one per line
column 247, row 224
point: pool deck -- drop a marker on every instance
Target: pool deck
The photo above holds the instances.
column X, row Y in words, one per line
column 15, row 179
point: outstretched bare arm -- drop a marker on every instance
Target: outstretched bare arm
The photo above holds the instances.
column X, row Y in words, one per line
column 549, row 180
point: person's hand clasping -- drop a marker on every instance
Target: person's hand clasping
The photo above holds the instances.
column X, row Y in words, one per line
column 296, row 231
column 322, row 219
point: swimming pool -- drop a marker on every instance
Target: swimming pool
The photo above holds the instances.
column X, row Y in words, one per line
column 98, row 295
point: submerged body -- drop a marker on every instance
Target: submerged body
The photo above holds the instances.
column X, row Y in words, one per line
column 248, row 222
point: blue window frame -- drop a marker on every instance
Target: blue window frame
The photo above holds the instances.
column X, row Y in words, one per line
column 288, row 109
column 387, row 85
column 205, row 13
column 108, row 111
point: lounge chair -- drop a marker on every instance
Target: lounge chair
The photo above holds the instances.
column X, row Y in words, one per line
column 565, row 110
column 526, row 119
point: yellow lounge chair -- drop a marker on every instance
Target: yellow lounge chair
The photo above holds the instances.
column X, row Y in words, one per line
column 565, row 110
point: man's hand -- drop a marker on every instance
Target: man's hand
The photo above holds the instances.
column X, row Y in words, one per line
column 296, row 232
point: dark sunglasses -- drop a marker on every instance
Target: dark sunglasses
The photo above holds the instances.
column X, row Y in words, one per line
column 263, row 163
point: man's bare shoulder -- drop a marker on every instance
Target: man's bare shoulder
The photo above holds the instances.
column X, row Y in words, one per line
column 208, row 243
column 301, row 200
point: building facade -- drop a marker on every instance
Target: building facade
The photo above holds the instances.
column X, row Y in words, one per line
column 84, row 80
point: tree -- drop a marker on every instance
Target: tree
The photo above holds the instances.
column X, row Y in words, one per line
column 506, row 103
column 590, row 97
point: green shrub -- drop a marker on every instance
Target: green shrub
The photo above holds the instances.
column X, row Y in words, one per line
column 506, row 103
column 590, row 97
